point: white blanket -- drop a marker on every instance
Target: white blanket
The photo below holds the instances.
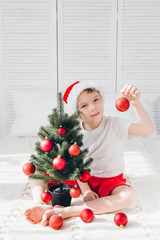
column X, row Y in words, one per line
column 142, row 157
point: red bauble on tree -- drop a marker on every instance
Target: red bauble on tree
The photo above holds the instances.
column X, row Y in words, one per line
column 74, row 150
column 59, row 163
column 46, row 197
column 46, row 145
column 28, row 169
column 120, row 219
column 87, row 215
column 122, row 104
column 85, row 176
column 61, row 130
column 75, row 192
column 55, row 222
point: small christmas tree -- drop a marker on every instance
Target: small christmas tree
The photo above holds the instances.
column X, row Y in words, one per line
column 59, row 157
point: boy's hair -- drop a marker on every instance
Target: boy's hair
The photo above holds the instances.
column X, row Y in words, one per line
column 90, row 90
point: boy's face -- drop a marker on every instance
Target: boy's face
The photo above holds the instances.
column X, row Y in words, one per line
column 90, row 105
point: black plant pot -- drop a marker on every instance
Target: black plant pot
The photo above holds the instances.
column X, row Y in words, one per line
column 60, row 198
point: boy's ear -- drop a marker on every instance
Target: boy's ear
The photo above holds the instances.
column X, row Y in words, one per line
column 80, row 116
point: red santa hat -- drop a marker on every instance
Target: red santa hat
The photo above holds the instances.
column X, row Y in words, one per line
column 73, row 91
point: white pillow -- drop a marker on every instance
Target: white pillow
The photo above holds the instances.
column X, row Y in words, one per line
column 148, row 100
column 31, row 109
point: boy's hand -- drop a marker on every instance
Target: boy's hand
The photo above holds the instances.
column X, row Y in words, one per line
column 132, row 93
column 90, row 195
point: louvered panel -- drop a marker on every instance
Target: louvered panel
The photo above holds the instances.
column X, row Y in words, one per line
column 2, row 109
column 87, row 42
column 29, row 37
column 29, row 50
column 139, row 44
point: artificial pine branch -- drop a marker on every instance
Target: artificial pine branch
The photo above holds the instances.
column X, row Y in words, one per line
column 88, row 163
column 45, row 179
column 43, row 133
column 60, row 107
column 54, row 119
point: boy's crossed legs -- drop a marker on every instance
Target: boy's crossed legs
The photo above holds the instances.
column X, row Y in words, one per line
column 120, row 198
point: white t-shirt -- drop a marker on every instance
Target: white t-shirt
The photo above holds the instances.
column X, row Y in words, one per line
column 105, row 145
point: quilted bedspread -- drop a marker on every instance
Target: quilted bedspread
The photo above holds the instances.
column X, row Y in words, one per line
column 142, row 158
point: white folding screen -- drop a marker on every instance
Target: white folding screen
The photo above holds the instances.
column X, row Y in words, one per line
column 138, row 55
column 28, row 51
column 87, row 42
column 112, row 42
column 139, row 44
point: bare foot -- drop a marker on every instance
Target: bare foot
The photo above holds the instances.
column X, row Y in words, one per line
column 34, row 215
column 58, row 210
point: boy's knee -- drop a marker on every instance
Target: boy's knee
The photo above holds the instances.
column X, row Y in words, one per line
column 131, row 196
column 127, row 196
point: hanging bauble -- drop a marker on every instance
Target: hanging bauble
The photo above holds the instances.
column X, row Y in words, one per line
column 28, row 169
column 59, row 163
column 75, row 192
column 87, row 215
column 46, row 197
column 85, row 176
column 74, row 150
column 55, row 222
column 61, row 130
column 46, row 145
column 122, row 104
column 120, row 219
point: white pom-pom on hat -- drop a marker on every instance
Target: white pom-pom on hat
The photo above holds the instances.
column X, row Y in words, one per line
column 73, row 91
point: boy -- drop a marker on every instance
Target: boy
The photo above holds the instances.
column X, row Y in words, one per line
column 106, row 190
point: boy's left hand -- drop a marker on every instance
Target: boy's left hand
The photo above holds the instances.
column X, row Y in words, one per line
column 132, row 93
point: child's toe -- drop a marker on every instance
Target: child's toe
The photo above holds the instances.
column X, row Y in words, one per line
column 30, row 220
column 47, row 215
column 27, row 212
column 45, row 222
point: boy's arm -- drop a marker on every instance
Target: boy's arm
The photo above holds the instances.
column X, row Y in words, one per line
column 88, row 194
column 144, row 127
column 83, row 186
column 37, row 187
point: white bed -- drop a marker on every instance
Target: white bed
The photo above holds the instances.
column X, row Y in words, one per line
column 142, row 157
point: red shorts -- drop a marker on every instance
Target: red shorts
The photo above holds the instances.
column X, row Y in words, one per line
column 103, row 186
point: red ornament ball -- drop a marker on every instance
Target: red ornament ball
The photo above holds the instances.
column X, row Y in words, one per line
column 46, row 145
column 75, row 192
column 85, row 176
column 120, row 219
column 122, row 104
column 55, row 222
column 87, row 215
column 46, row 197
column 59, row 163
column 74, row 150
column 61, row 131
column 28, row 169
